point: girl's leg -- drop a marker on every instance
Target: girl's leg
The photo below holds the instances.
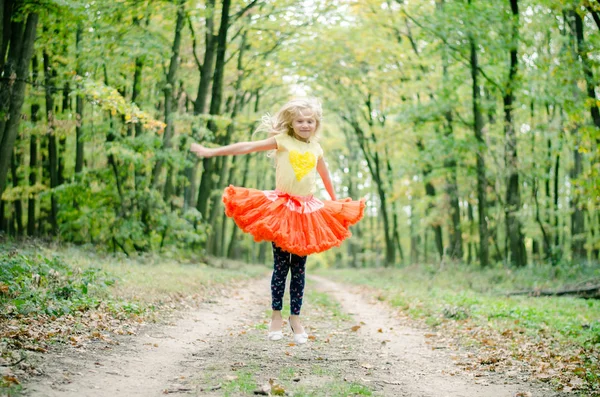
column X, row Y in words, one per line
column 298, row 266
column 281, row 267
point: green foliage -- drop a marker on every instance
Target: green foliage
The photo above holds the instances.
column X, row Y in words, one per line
column 136, row 220
column 109, row 99
column 32, row 284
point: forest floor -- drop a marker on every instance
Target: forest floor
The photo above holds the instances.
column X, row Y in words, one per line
column 358, row 346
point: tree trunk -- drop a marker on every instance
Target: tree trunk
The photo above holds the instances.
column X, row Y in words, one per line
column 471, row 218
column 206, row 70
column 375, row 168
column 110, row 137
column 518, row 255
column 18, row 214
column 79, row 149
column 206, row 76
column 62, row 141
column 431, row 193
column 6, row 9
column 49, row 75
column 234, row 232
column 12, row 93
column 33, row 149
column 168, row 93
column 206, row 184
column 237, row 107
column 481, row 177
column 578, row 216
column 135, row 92
column 557, row 234
column 455, row 250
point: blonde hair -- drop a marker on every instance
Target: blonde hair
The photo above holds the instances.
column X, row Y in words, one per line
column 281, row 123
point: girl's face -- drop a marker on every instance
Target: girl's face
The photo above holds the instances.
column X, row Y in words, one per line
column 304, row 127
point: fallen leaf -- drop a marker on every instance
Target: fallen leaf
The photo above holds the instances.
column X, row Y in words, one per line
column 355, row 328
column 380, row 330
column 10, row 379
column 277, row 390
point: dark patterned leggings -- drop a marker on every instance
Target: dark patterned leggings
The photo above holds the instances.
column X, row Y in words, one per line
column 283, row 261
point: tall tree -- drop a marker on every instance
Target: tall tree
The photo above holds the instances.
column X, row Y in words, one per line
column 12, row 90
column 206, row 184
column 518, row 255
column 481, row 170
column 168, row 95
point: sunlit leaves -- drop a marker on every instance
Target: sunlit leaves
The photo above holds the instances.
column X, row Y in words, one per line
column 109, row 99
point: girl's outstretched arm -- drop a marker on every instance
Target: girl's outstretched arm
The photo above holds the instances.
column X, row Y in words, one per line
column 234, row 148
column 324, row 172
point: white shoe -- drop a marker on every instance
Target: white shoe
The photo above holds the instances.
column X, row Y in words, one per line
column 275, row 335
column 301, row 339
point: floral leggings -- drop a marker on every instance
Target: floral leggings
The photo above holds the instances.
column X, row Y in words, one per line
column 283, row 262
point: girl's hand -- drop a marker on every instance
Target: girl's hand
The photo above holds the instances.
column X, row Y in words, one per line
column 201, row 151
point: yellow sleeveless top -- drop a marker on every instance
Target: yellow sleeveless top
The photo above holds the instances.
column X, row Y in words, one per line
column 296, row 169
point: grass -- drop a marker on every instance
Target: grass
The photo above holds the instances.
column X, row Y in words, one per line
column 336, row 389
column 326, row 302
column 458, row 293
column 141, row 281
column 244, row 383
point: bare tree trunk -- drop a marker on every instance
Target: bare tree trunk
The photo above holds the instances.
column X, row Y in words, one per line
column 518, row 255
column 49, row 75
column 578, row 216
column 471, row 245
column 481, row 177
column 18, row 214
column 206, row 184
column 12, row 93
column 455, row 233
column 169, row 100
column 234, row 232
column 33, row 149
column 6, row 9
column 557, row 234
column 206, row 70
column 431, row 193
column 79, row 149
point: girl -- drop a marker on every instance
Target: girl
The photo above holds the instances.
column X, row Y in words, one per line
column 290, row 217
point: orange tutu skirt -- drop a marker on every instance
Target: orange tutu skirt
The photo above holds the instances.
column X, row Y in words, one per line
column 301, row 225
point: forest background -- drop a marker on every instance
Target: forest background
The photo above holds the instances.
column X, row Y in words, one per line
column 471, row 127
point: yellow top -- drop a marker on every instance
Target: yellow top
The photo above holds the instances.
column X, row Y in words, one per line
column 296, row 169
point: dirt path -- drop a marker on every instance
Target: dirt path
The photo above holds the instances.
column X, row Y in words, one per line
column 220, row 349
column 151, row 363
column 417, row 367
